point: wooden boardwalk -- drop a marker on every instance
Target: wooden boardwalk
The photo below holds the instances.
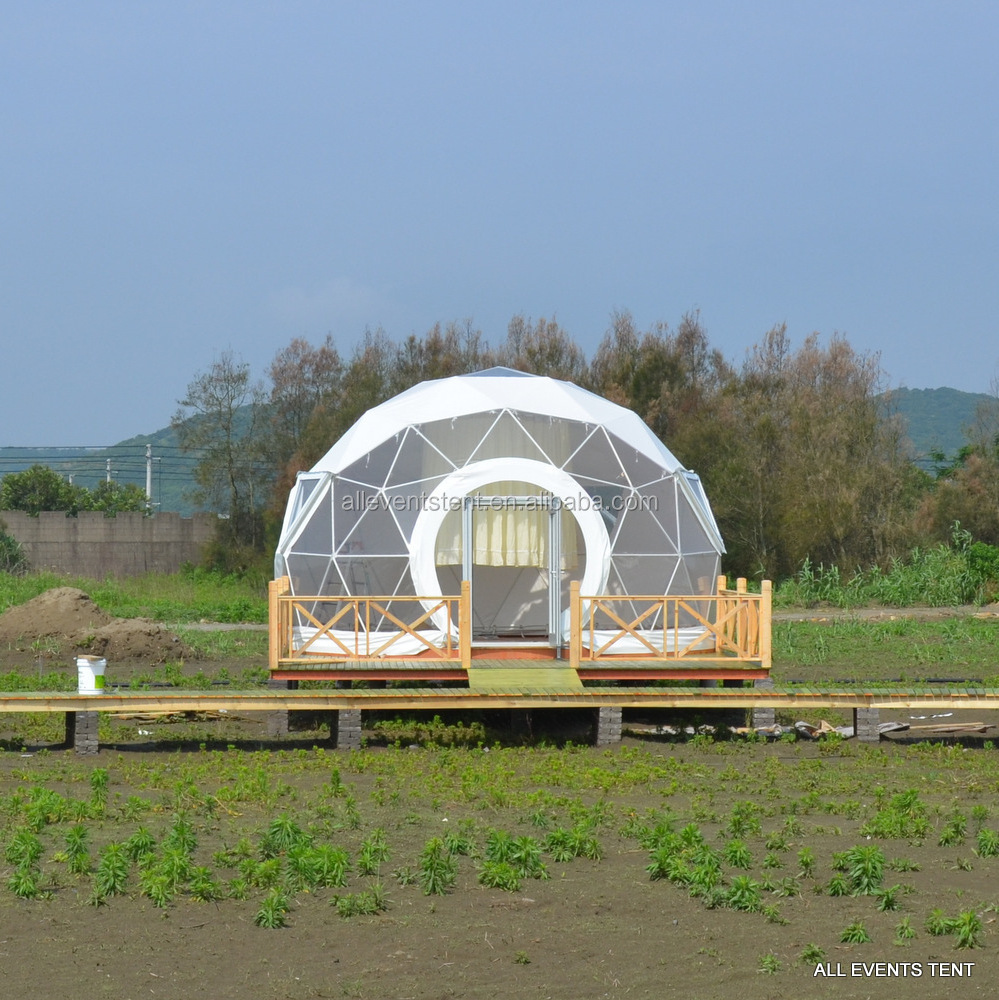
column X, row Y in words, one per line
column 505, row 693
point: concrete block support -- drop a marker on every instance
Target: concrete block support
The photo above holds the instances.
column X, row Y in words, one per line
column 764, row 718
column 865, row 725
column 608, row 725
column 278, row 722
column 81, row 732
column 345, row 729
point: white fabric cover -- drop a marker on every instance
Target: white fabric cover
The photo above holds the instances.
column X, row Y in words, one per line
column 451, row 398
column 693, row 637
column 362, row 644
column 361, row 522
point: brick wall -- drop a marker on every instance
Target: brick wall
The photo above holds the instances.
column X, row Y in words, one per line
column 93, row 545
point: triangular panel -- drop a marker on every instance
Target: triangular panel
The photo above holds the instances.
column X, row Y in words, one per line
column 640, row 533
column 417, row 459
column 639, row 468
column 459, row 437
column 597, row 459
column 376, row 576
column 558, row 439
column 312, row 575
column 372, row 468
column 350, row 502
column 507, row 439
column 317, row 534
column 375, row 534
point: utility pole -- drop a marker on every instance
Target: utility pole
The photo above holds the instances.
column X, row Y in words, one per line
column 109, row 471
column 149, row 476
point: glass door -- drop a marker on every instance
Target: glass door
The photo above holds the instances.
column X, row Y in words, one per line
column 511, row 547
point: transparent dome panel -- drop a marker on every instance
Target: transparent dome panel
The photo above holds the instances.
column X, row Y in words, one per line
column 506, row 439
column 407, row 502
column 596, row 459
column 639, row 468
column 640, row 533
column 350, row 503
column 375, row 534
column 416, row 460
column 660, row 499
column 312, row 575
column 702, row 572
column 316, row 535
column 693, row 536
column 458, row 437
column 374, row 576
column 649, row 575
column 372, row 468
column 558, row 439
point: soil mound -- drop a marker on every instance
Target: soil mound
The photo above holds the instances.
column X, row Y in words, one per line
column 57, row 613
column 70, row 620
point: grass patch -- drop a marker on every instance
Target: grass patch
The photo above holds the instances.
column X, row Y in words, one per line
column 190, row 596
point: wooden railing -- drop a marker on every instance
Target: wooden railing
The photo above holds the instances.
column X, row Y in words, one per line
column 730, row 627
column 304, row 628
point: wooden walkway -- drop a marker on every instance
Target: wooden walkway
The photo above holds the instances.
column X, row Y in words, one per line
column 505, row 693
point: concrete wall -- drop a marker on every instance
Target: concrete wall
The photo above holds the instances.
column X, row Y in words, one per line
column 91, row 544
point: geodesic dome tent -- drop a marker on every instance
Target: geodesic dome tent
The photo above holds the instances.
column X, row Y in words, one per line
column 517, row 482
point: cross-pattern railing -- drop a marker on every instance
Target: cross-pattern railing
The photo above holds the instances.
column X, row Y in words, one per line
column 731, row 626
column 366, row 628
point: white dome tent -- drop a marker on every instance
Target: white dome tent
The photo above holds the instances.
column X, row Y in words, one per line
column 520, row 484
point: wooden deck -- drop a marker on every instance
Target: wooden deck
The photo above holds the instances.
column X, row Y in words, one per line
column 721, row 636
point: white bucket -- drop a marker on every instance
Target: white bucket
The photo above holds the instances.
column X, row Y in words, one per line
column 90, row 674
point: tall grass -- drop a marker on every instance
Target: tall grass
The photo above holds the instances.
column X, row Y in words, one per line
column 946, row 575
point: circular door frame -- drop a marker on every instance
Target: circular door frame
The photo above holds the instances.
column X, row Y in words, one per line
column 448, row 495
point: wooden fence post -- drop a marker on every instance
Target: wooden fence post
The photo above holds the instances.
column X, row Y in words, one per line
column 575, row 625
column 274, row 624
column 766, row 630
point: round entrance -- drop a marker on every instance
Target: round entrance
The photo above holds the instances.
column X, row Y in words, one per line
column 515, row 529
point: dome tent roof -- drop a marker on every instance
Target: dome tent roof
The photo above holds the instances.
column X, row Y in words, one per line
column 488, row 391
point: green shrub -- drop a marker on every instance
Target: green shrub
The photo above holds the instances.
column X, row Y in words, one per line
column 499, row 875
column 273, row 910
column 855, row 933
column 438, row 870
column 12, row 557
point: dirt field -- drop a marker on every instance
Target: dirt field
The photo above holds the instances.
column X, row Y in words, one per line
column 595, row 928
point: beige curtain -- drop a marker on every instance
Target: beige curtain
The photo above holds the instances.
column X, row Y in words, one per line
column 508, row 537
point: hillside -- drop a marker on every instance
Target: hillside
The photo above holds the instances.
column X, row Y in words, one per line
column 937, row 419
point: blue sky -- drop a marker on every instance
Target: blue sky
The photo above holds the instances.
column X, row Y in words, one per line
column 180, row 179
